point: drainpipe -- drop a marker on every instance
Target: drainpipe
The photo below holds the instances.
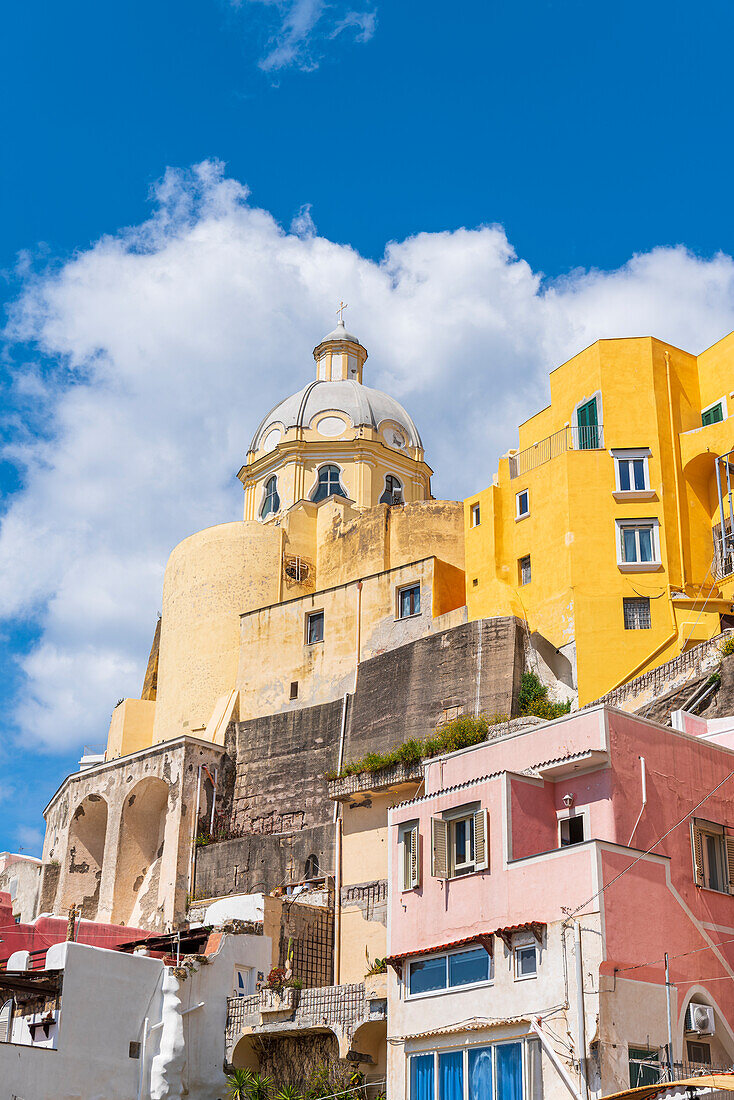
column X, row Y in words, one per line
column 580, row 1010
column 555, row 1060
column 359, row 632
column 670, row 1019
column 337, row 902
column 644, row 799
column 214, row 800
column 674, row 449
column 193, row 833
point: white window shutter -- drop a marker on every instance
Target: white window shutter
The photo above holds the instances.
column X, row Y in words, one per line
column 439, row 847
column 729, row 841
column 414, row 858
column 697, row 847
column 481, row 840
column 6, row 1017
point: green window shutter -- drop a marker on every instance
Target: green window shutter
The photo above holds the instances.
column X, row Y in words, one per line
column 714, row 415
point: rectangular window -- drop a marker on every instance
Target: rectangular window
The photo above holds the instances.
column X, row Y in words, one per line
column 409, row 601
column 478, row 1073
column 409, row 838
column 713, row 856
column 450, row 971
column 294, row 689
column 244, row 981
column 422, row 1077
column 699, row 1052
column 523, row 568
column 572, row 830
column 451, row 1075
column 714, row 414
column 636, row 612
column 314, row 627
column 588, row 432
column 644, row 1066
column 475, row 515
column 526, row 961
column 509, row 1071
column 638, row 547
column 631, row 469
column 522, row 504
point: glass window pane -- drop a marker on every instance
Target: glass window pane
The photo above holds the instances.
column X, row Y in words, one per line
column 451, row 1075
column 316, row 627
column 630, row 544
column 468, row 967
column 645, row 534
column 460, row 841
column 509, row 1071
column 427, row 975
column 525, row 961
column 624, row 475
column 416, row 600
column 480, row 1073
column 421, row 1077
column 639, row 465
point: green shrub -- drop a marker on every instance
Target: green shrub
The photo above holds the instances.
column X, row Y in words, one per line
column 727, row 646
column 533, row 699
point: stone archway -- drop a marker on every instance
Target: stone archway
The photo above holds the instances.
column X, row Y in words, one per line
column 245, row 1055
column 85, row 854
column 139, row 854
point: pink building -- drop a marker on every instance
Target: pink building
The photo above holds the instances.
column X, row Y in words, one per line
column 528, row 925
column 35, row 938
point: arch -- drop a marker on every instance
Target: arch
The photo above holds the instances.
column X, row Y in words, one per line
column 85, row 853
column 328, row 483
column 371, row 1038
column 393, row 492
column 245, row 1055
column 723, row 1038
column 312, row 867
column 139, row 854
column 271, row 498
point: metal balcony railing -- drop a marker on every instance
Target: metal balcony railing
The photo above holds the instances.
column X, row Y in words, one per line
column 584, row 438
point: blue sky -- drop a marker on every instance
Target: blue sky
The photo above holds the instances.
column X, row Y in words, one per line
column 154, row 308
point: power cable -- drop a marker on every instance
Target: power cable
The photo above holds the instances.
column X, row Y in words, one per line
column 680, row 955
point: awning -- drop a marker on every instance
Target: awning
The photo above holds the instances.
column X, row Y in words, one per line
column 707, row 1081
column 486, row 939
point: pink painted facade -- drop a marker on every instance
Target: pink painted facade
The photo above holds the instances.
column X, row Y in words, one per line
column 525, row 782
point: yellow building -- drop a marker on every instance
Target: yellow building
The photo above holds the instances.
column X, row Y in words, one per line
column 603, row 530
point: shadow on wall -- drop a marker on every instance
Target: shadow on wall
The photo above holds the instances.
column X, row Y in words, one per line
column 140, row 851
column 87, row 836
column 558, row 666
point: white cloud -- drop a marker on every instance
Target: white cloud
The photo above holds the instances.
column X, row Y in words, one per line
column 30, row 840
column 299, row 28
column 172, row 338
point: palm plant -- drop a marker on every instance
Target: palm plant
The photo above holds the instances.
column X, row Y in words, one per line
column 288, row 1092
column 259, row 1087
column 238, row 1084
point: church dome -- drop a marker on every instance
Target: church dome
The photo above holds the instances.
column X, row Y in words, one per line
column 363, row 407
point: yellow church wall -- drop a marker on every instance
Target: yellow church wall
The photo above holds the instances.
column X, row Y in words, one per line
column 716, row 373
column 211, row 578
column 131, row 727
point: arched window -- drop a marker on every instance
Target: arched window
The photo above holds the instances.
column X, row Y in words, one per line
column 393, row 491
column 312, row 867
column 272, row 500
column 329, row 484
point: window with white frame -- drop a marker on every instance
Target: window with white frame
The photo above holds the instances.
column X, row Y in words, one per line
column 409, row 838
column 523, row 569
column 714, row 414
column 713, row 856
column 244, row 981
column 451, row 970
column 509, row 1070
column 476, row 515
column 409, row 601
column 638, row 544
column 522, row 504
column 571, row 830
column 459, row 843
column 526, row 961
column 631, row 470
column 314, row 627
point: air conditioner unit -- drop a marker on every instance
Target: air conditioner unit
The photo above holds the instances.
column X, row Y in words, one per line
column 700, row 1018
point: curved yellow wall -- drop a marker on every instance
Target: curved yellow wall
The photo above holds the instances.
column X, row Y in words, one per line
column 211, row 578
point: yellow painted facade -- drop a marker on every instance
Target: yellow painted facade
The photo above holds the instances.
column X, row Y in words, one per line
column 621, row 505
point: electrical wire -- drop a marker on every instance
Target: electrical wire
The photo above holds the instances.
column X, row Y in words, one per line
column 680, row 955
column 598, row 894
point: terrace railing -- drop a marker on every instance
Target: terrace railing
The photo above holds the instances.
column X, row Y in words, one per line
column 588, row 437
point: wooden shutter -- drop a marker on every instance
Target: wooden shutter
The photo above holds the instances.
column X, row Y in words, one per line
column 697, row 848
column 6, row 1018
column 729, row 842
column 439, row 848
column 481, row 841
column 413, row 857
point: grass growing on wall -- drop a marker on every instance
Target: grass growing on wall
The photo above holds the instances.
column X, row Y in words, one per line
column 533, row 699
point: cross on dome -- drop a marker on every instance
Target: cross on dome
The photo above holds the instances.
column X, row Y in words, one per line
column 340, row 312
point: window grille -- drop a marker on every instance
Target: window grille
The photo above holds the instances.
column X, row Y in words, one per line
column 524, row 569
column 636, row 613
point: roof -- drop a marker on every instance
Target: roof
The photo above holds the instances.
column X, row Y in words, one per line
column 477, row 1024
column 364, row 406
column 707, row 1081
column 483, row 938
column 339, row 333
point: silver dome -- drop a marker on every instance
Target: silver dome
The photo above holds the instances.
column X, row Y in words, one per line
column 365, row 408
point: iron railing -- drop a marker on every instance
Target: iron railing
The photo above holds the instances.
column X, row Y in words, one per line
column 584, row 438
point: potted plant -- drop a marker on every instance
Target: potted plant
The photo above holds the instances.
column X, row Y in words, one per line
column 375, row 979
column 279, row 993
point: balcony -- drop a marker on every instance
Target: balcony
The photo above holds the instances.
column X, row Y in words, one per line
column 581, row 438
column 342, row 1010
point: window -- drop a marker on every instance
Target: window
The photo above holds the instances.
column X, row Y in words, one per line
column 271, row 503
column 713, row 856
column 409, row 839
column 636, row 612
column 409, row 601
column 244, row 981
column 312, row 867
column 715, row 413
column 638, row 546
column 644, row 1066
column 449, row 971
column 631, row 470
column 572, row 830
column 526, row 961
column 523, row 568
column 699, row 1052
column 294, row 689
column 588, row 431
column 459, row 844
column 314, row 627
column 329, row 484
column 476, row 516
column 393, row 493
column 502, row 1071
column 522, row 504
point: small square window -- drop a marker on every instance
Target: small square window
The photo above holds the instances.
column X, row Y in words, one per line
column 572, row 830
column 699, row 1052
column 526, row 961
column 636, row 612
column 714, row 414
column 475, row 515
column 294, row 689
column 314, row 627
column 475, row 582
column 523, row 567
column 409, row 601
column 522, row 504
